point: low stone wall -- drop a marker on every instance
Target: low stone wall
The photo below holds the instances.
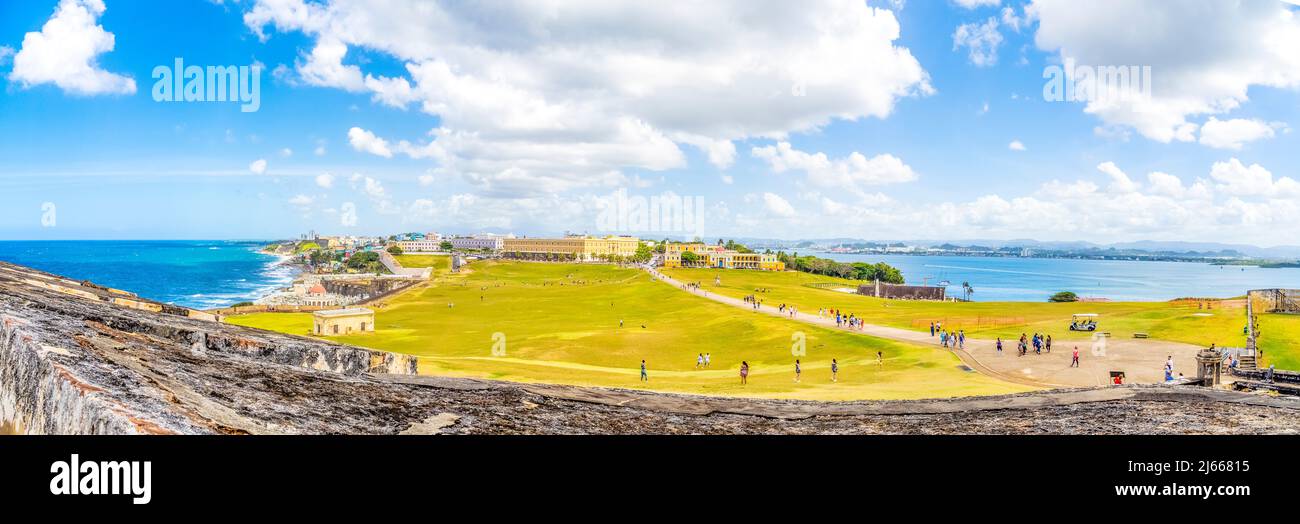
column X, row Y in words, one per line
column 1282, row 376
column 901, row 291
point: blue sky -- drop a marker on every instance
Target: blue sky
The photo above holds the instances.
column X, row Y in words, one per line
column 523, row 121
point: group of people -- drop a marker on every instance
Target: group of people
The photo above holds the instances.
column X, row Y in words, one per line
column 791, row 311
column 844, row 320
column 948, row 339
column 798, row 371
column 703, row 361
column 1040, row 342
column 754, row 301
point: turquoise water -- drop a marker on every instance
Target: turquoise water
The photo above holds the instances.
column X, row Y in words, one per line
column 191, row 273
column 1035, row 279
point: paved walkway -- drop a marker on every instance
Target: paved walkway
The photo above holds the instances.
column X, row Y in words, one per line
column 1142, row 361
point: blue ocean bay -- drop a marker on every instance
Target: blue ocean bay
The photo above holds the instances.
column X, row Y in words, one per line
column 192, row 273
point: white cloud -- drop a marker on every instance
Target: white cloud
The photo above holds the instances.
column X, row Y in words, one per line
column 379, row 197
column 367, row 142
column 564, row 94
column 1010, row 19
column 6, row 53
column 326, row 180
column 348, row 215
column 1238, row 45
column 982, row 40
column 1016, row 145
column 1237, row 203
column 1237, row 179
column 1120, row 181
column 852, row 173
column 1234, row 133
column 258, row 166
column 65, row 51
column 974, row 4
column 301, row 200
column 777, row 206
column 286, row 152
column 426, row 180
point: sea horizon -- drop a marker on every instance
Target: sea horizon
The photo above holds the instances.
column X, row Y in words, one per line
column 200, row 274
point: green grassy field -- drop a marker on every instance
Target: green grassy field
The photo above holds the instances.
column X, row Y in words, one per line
column 561, row 325
column 1279, row 339
column 1175, row 321
column 440, row 263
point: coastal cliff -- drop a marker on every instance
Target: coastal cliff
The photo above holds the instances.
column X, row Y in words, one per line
column 76, row 358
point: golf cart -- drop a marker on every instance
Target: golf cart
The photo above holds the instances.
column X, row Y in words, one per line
column 1083, row 322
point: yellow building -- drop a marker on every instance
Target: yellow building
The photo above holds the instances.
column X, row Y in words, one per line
column 584, row 248
column 720, row 257
column 343, row 321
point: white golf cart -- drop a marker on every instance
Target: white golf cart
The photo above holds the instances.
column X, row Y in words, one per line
column 1083, row 322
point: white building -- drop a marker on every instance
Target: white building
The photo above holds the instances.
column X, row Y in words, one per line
column 420, row 246
column 478, row 243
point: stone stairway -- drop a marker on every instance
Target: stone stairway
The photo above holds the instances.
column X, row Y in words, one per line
column 1246, row 361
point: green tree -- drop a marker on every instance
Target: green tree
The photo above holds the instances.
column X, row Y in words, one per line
column 395, row 250
column 445, row 245
column 1064, row 296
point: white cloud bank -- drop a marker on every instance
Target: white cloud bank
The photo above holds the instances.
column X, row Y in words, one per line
column 65, row 50
column 536, row 97
column 1238, row 45
column 852, row 174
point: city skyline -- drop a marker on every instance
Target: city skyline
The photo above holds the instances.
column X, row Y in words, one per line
column 875, row 120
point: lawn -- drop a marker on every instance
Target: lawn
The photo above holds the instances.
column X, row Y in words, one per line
column 1180, row 321
column 560, row 324
column 1279, row 339
column 439, row 263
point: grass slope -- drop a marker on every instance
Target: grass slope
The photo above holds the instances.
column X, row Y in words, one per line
column 1279, row 339
column 561, row 325
column 1174, row 321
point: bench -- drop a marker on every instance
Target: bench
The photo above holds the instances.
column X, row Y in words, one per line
column 1140, row 335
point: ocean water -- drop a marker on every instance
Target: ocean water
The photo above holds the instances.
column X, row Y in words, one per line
column 1035, row 279
column 191, row 273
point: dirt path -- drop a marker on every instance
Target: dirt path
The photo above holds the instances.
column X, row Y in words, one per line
column 1142, row 361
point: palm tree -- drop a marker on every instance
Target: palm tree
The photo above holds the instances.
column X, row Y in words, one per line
column 967, row 290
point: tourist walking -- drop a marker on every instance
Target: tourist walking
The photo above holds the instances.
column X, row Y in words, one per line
column 1169, row 368
column 961, row 339
column 699, row 361
column 1074, row 363
column 644, row 377
column 880, row 358
column 835, row 370
column 707, row 356
column 1048, row 344
column 744, row 372
column 999, row 345
column 932, row 329
column 798, row 371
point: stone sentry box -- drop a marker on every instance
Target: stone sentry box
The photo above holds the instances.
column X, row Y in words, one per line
column 343, row 321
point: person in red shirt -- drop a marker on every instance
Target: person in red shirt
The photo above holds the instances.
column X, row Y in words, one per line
column 1075, row 362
